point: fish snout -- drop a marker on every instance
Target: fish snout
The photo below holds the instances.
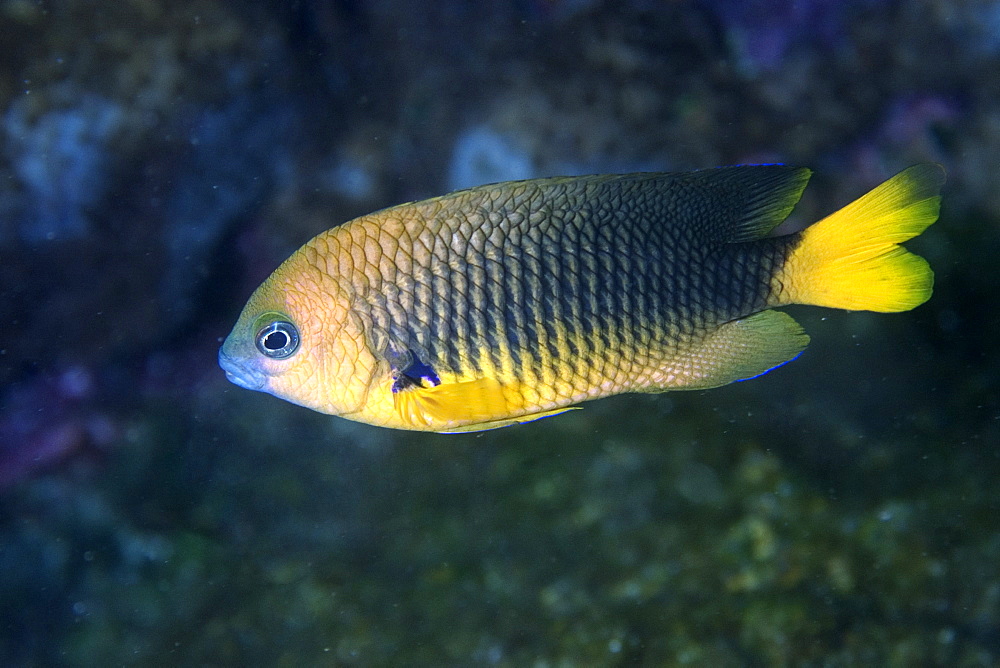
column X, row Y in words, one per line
column 240, row 374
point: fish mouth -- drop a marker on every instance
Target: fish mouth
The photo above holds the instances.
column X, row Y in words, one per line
column 239, row 374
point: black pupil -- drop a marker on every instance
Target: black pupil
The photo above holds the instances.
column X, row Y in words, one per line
column 275, row 340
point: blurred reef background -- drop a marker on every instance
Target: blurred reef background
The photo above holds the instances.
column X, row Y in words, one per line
column 159, row 159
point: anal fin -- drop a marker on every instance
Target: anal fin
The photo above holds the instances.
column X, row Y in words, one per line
column 509, row 422
column 739, row 350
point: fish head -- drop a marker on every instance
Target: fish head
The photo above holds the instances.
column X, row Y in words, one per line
column 298, row 340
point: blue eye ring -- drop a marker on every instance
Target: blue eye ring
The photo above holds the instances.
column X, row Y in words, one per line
column 278, row 340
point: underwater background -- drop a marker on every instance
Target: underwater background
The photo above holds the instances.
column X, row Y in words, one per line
column 159, row 159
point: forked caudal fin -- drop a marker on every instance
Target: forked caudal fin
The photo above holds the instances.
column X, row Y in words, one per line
column 852, row 259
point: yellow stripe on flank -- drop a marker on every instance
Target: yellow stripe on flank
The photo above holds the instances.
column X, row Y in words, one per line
column 851, row 259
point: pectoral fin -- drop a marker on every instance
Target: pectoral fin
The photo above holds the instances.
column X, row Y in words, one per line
column 453, row 408
column 439, row 406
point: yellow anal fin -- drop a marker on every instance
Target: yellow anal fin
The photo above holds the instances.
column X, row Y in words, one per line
column 738, row 350
column 851, row 259
column 508, row 422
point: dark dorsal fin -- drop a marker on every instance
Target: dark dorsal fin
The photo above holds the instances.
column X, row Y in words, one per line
column 755, row 198
column 724, row 204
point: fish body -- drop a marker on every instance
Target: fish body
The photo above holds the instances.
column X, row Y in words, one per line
column 514, row 301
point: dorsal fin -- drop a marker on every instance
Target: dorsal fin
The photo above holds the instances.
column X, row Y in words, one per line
column 757, row 198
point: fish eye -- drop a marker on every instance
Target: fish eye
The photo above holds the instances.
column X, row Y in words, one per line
column 278, row 339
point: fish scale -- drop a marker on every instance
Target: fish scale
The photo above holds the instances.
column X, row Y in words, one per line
column 508, row 302
column 556, row 266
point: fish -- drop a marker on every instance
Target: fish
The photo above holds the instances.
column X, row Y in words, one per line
column 510, row 302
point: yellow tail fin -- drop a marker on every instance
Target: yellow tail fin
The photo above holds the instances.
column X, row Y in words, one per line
column 851, row 259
